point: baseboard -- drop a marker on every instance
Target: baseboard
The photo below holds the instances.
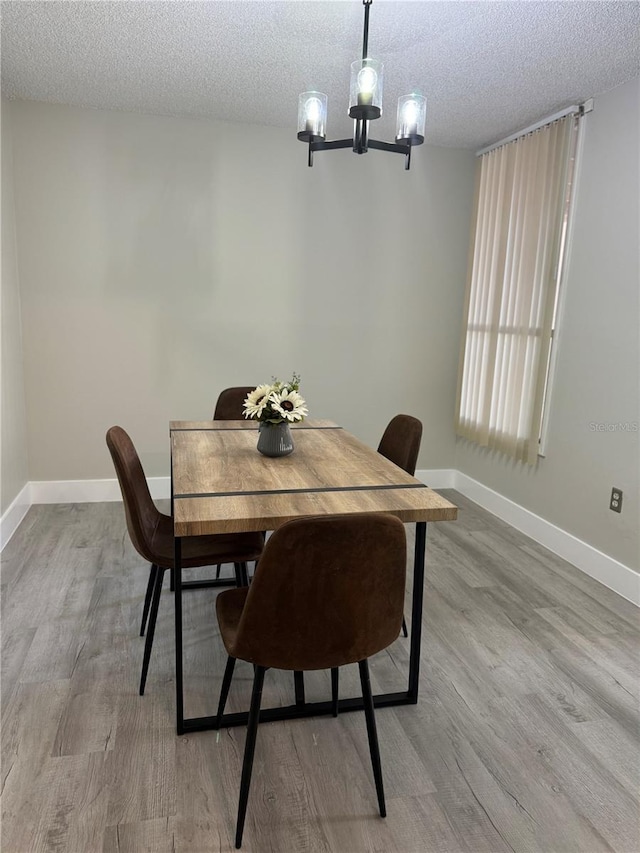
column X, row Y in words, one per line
column 605, row 569
column 438, row 478
column 13, row 515
column 90, row 491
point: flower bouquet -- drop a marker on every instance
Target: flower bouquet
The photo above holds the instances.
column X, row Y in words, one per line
column 275, row 406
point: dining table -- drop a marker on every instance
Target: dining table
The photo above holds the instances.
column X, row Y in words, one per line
column 221, row 484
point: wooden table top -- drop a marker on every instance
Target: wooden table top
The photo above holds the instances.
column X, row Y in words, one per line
column 221, row 484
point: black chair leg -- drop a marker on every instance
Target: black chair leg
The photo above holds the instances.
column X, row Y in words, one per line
column 224, row 692
column 151, row 627
column 334, row 690
column 218, row 567
column 249, row 750
column 372, row 734
column 404, row 627
column 147, row 597
column 172, row 581
column 242, row 574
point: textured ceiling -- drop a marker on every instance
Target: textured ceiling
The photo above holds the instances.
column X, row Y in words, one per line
column 486, row 68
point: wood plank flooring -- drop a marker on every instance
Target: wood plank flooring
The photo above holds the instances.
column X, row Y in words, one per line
column 525, row 737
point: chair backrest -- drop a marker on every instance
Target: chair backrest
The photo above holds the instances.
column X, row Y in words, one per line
column 141, row 512
column 400, row 442
column 230, row 403
column 327, row 591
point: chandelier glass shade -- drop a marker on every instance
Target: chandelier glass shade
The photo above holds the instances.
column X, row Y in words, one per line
column 365, row 98
column 312, row 116
column 365, row 105
column 411, row 118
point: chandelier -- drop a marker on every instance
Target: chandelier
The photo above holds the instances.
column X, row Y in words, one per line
column 365, row 105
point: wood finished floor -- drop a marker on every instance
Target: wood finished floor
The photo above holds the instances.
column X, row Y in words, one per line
column 525, row 737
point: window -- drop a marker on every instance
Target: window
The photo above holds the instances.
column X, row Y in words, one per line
column 516, row 256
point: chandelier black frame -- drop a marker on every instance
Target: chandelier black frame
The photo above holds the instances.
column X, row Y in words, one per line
column 365, row 106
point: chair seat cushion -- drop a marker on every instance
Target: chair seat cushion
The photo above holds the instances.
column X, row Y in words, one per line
column 204, row 550
column 229, row 606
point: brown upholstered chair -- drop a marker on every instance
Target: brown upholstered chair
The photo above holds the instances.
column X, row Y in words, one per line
column 229, row 406
column 231, row 402
column 400, row 442
column 151, row 534
column 328, row 591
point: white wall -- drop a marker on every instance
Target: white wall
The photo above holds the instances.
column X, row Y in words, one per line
column 597, row 380
column 13, row 464
column 163, row 259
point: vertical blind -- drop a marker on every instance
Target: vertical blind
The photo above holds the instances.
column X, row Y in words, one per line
column 514, row 265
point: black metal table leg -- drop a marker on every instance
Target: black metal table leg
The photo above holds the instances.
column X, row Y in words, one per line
column 298, row 681
column 416, row 609
column 177, row 574
column 335, row 682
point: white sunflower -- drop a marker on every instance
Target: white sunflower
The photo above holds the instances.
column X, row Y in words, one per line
column 256, row 401
column 289, row 404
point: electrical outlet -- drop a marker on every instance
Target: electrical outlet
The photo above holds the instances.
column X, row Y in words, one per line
column 616, row 500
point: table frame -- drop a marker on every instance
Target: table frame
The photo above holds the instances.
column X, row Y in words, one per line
column 302, row 708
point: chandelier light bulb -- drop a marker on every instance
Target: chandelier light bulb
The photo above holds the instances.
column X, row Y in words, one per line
column 410, row 113
column 367, row 80
column 313, row 110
